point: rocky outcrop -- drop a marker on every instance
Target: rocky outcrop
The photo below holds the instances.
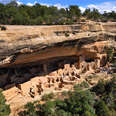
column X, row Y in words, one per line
column 25, row 44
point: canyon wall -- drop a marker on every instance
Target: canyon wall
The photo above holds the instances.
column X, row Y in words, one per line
column 25, row 44
column 50, row 47
column 35, row 60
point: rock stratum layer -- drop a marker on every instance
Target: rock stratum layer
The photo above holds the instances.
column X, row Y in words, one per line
column 26, row 44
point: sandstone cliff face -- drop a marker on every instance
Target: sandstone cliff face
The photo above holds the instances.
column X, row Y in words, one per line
column 41, row 59
column 50, row 47
column 26, row 44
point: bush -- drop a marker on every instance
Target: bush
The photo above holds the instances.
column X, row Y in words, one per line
column 31, row 110
column 109, row 54
column 93, row 76
column 3, row 28
column 69, row 22
column 47, row 97
column 64, row 93
column 66, row 34
column 82, row 85
column 99, row 88
column 4, row 109
column 102, row 109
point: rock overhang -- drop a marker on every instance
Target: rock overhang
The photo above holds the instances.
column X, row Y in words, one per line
column 26, row 44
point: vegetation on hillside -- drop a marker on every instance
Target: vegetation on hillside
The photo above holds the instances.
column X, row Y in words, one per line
column 97, row 101
column 15, row 14
column 4, row 109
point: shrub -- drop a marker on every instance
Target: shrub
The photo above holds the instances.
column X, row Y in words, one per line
column 109, row 54
column 47, row 97
column 64, row 93
column 30, row 112
column 4, row 109
column 93, row 76
column 3, row 28
column 66, row 34
column 69, row 22
column 82, row 85
column 102, row 109
column 99, row 88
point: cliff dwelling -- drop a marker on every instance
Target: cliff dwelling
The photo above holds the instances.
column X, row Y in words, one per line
column 70, row 62
column 53, row 59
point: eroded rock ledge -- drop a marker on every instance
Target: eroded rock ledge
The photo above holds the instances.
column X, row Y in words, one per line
column 26, row 44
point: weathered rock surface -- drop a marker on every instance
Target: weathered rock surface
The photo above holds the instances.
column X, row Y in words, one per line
column 25, row 44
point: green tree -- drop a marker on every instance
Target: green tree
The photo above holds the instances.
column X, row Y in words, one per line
column 74, row 11
column 102, row 109
column 87, row 12
column 39, row 20
column 21, row 18
column 95, row 15
column 62, row 12
column 86, row 113
column 99, row 88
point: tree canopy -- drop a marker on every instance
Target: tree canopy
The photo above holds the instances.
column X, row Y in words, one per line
column 15, row 14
